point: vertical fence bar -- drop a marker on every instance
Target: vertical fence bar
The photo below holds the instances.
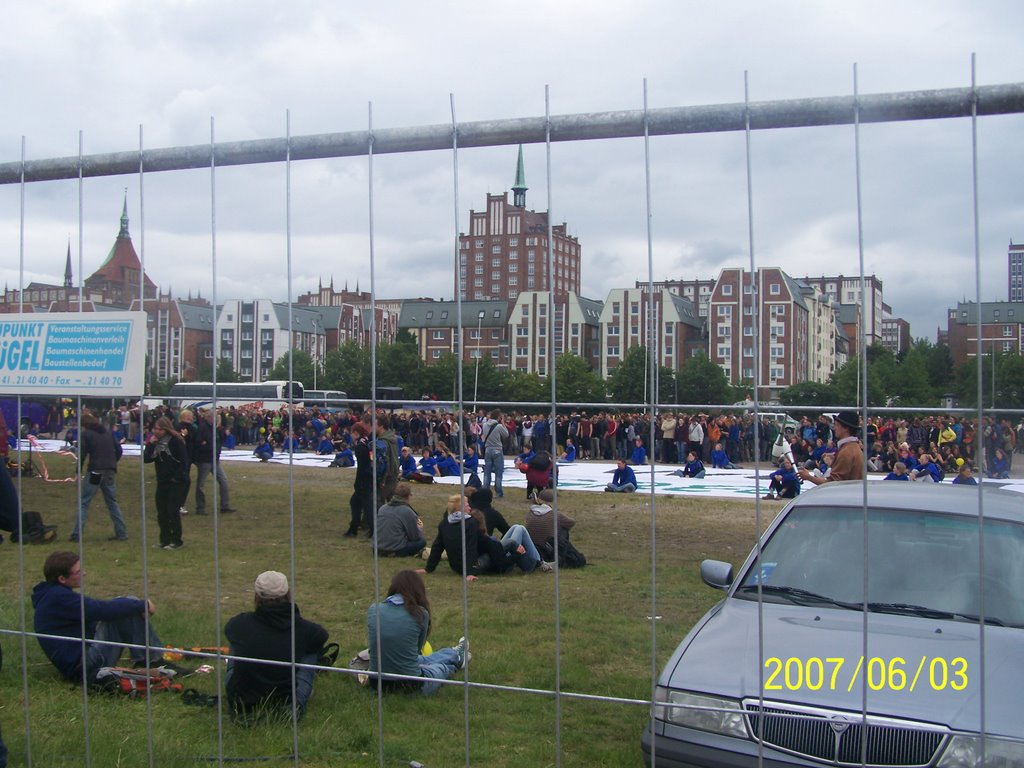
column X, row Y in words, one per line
column 551, row 366
column 755, row 297
column 215, row 512
column 649, row 225
column 141, row 433
column 21, row 529
column 981, row 504
column 291, row 423
column 81, row 522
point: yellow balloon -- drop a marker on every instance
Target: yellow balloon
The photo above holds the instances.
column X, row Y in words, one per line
column 427, row 649
column 263, row 430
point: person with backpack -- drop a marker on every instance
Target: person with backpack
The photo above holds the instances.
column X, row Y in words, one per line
column 274, row 631
column 361, row 502
column 119, row 624
column 102, row 452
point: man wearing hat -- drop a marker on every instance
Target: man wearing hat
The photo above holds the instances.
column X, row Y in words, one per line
column 266, row 633
column 849, row 459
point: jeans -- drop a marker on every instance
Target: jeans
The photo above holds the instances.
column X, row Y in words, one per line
column 303, row 682
column 624, row 488
column 440, row 665
column 206, row 469
column 109, row 488
column 494, row 462
column 515, row 537
column 131, row 629
column 410, row 549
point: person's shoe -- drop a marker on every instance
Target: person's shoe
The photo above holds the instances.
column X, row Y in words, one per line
column 769, row 497
column 166, row 546
column 463, row 650
column 608, row 490
column 329, row 655
column 179, row 545
column 73, row 537
column 227, row 510
column 182, row 511
column 425, row 554
column 350, row 533
column 546, row 567
column 117, row 538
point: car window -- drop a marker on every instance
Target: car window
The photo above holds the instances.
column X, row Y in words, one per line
column 914, row 558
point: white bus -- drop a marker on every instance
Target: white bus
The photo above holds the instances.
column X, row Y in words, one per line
column 325, row 399
column 269, row 395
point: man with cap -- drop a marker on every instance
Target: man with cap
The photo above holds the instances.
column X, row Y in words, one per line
column 266, row 633
column 848, row 463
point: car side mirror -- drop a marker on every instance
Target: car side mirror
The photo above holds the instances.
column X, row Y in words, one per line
column 716, row 573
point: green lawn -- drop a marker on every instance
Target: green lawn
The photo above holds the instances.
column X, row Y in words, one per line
column 605, row 643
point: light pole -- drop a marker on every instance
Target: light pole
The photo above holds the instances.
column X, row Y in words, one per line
column 476, row 377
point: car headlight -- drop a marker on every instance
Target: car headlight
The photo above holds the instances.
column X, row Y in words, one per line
column 965, row 751
column 707, row 713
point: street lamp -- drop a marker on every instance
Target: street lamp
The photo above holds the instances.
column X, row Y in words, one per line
column 316, row 348
column 476, row 377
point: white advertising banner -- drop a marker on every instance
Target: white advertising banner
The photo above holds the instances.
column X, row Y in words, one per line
column 70, row 353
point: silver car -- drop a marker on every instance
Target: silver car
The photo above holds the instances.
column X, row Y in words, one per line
column 808, row 661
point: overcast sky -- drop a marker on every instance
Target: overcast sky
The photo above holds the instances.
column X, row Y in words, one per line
column 107, row 67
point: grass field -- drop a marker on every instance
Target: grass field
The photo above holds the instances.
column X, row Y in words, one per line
column 604, row 619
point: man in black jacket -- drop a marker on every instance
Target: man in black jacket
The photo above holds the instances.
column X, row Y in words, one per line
column 209, row 439
column 103, row 452
column 266, row 633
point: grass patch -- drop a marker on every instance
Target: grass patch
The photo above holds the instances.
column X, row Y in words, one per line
column 604, row 647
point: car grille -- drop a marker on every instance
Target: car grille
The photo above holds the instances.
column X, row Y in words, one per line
column 835, row 737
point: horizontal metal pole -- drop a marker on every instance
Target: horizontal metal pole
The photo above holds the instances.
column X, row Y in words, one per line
column 667, row 121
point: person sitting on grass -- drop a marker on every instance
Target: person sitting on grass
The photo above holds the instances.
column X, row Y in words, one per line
column 963, row 475
column 399, row 528
column 344, row 458
column 482, row 499
column 449, row 539
column 926, row 470
column 120, row 622
column 999, row 467
column 623, row 480
column 266, row 633
column 639, row 455
column 428, row 464
column 407, row 464
column 693, row 467
column 784, row 483
column 263, row 450
column 446, row 465
column 720, row 459
column 570, row 452
column 899, row 472
column 326, row 446
column 400, row 625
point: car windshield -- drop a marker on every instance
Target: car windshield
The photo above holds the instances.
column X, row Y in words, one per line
column 919, row 563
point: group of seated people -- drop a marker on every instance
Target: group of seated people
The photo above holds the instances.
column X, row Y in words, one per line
column 472, row 525
column 265, row 634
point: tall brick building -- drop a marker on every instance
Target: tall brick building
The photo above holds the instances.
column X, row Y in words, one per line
column 506, row 250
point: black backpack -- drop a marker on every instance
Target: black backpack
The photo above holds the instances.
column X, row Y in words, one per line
column 568, row 555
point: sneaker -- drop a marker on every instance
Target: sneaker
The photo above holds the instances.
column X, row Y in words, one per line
column 117, row 538
column 463, row 650
column 166, row 546
column 546, row 567
column 73, row 537
column 329, row 655
column 350, row 534
column 227, row 510
column 182, row 511
column 425, row 554
column 769, row 497
column 179, row 545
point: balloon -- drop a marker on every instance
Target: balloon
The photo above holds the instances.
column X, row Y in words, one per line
column 263, row 430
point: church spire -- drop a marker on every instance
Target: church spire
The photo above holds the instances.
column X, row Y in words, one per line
column 68, row 281
column 124, row 217
column 519, row 188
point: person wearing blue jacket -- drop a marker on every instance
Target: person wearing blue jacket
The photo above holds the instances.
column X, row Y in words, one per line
column 263, row 451
column 325, row 447
column 926, row 470
column 406, row 463
column 623, row 479
column 720, row 459
column 784, row 483
column 570, row 452
column 58, row 611
column 693, row 467
column 639, row 455
column 899, row 472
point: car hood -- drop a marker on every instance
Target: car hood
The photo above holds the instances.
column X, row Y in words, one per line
column 720, row 657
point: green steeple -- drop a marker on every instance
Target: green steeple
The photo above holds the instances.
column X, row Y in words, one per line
column 124, row 217
column 519, row 188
